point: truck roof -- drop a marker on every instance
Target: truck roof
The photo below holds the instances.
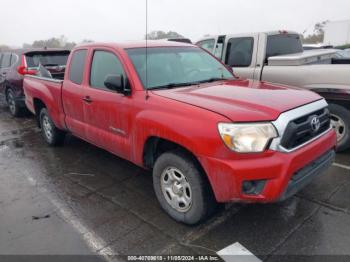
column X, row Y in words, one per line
column 250, row 33
column 139, row 44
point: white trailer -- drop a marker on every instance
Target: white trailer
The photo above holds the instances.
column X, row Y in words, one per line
column 337, row 33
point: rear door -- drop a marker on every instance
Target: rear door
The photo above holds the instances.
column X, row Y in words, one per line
column 106, row 112
column 73, row 93
column 240, row 53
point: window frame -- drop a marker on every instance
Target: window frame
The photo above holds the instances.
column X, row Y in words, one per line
column 228, row 50
column 70, row 66
column 90, row 69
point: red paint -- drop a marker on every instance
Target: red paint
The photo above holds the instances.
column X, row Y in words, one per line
column 186, row 116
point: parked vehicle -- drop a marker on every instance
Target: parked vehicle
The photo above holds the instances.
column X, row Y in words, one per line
column 15, row 64
column 278, row 57
column 343, row 54
column 181, row 40
column 208, row 137
column 316, row 46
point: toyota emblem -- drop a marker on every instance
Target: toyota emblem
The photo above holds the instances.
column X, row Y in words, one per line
column 315, row 124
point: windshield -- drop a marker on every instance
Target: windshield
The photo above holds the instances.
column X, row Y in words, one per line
column 176, row 66
column 283, row 44
column 47, row 59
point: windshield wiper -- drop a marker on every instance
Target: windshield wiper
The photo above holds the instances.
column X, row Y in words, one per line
column 174, row 85
column 213, row 79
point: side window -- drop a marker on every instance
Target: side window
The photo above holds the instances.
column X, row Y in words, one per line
column 103, row 64
column 207, row 44
column 14, row 59
column 6, row 59
column 218, row 50
column 239, row 52
column 77, row 65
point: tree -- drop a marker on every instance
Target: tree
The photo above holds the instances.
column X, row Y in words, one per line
column 318, row 34
column 4, row 48
column 154, row 35
column 54, row 42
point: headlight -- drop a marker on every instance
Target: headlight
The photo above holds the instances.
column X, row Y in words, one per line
column 247, row 138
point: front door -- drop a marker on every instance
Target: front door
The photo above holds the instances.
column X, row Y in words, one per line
column 107, row 112
column 240, row 54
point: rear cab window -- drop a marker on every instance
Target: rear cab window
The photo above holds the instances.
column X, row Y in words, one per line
column 35, row 59
column 77, row 65
column 283, row 44
column 104, row 63
column 239, row 52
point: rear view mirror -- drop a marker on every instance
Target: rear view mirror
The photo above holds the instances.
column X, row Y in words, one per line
column 116, row 83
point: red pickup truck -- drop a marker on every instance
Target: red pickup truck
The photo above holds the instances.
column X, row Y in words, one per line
column 172, row 107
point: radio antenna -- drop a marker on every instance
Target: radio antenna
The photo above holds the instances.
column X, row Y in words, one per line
column 147, row 96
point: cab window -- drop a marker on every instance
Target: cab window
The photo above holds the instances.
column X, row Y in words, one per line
column 76, row 71
column 239, row 52
column 104, row 63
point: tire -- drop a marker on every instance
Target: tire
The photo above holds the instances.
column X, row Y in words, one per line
column 14, row 108
column 52, row 135
column 202, row 202
column 340, row 118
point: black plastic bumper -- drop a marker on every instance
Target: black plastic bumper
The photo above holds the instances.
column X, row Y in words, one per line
column 304, row 176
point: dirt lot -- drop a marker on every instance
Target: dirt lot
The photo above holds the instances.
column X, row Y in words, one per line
column 81, row 200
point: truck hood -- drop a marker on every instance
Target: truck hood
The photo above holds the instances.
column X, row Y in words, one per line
column 242, row 100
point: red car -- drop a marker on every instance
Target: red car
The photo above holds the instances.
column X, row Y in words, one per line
column 15, row 64
column 172, row 107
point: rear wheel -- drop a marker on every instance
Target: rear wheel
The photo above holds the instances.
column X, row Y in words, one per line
column 50, row 132
column 340, row 121
column 181, row 189
column 14, row 108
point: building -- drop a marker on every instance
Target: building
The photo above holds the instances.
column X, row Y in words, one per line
column 337, row 33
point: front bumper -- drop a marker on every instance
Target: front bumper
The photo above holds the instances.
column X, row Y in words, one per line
column 283, row 173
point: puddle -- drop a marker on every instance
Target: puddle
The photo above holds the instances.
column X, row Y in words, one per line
column 11, row 144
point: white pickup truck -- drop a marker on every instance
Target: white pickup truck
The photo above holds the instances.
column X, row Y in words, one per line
column 279, row 57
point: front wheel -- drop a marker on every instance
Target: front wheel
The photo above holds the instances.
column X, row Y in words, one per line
column 52, row 135
column 181, row 189
column 340, row 121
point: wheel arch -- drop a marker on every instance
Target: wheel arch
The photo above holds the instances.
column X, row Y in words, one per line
column 38, row 106
column 154, row 146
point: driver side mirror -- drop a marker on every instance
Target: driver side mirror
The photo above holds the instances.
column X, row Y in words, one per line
column 116, row 83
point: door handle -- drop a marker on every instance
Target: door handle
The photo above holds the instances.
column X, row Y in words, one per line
column 87, row 99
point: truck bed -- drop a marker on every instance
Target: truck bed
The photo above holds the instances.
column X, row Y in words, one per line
column 307, row 57
column 48, row 90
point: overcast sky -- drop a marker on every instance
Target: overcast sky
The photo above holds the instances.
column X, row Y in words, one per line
column 24, row 21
